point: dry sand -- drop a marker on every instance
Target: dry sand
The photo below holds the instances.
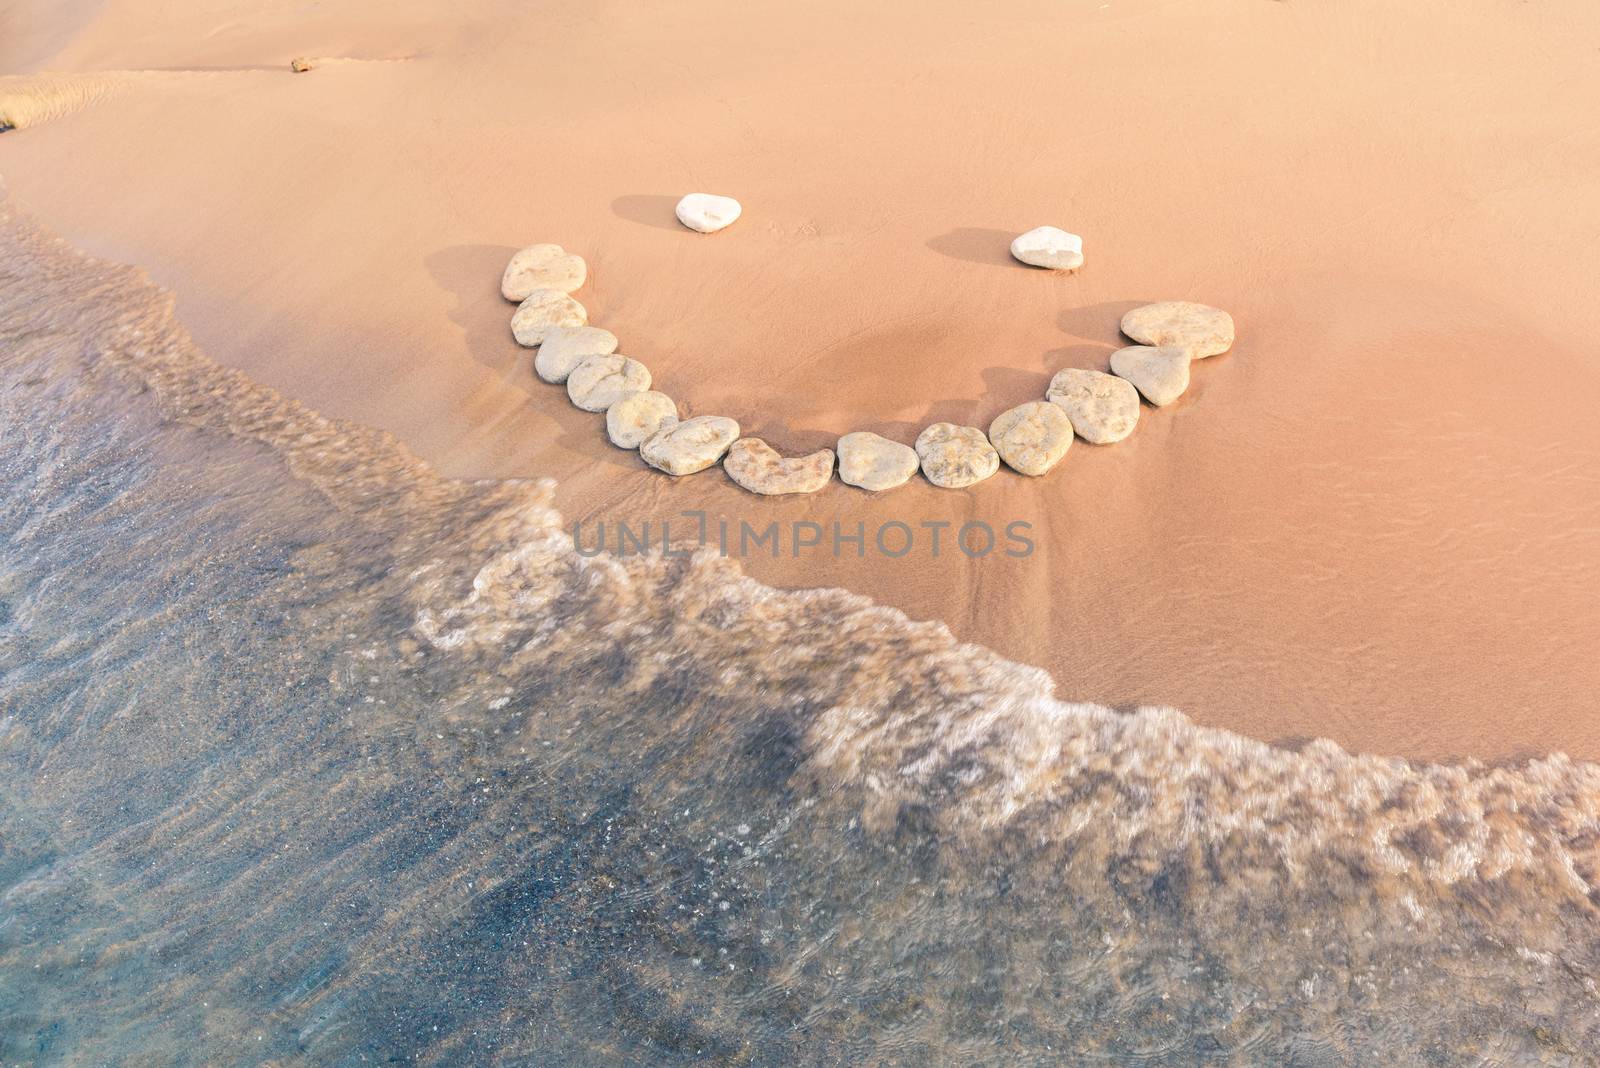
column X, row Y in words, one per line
column 1377, row 519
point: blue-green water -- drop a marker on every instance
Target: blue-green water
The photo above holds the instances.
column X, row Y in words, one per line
column 308, row 756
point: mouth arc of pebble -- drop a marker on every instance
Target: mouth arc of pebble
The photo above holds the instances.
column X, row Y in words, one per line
column 1102, row 407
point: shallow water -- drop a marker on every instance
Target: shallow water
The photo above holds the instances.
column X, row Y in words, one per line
column 310, row 756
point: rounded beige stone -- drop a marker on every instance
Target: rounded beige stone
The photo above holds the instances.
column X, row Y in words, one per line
column 543, row 310
column 542, row 267
column 690, row 446
column 1160, row 372
column 638, row 417
column 760, row 468
column 1033, row 437
column 1200, row 328
column 598, row 382
column 873, row 462
column 956, row 456
column 564, row 346
column 1103, row 408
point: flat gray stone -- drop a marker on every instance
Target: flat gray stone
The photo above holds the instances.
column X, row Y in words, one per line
column 1200, row 328
column 542, row 267
column 541, row 311
column 873, row 462
column 759, row 468
column 690, row 446
column 598, row 382
column 1160, row 372
column 564, row 346
column 1033, row 437
column 1103, row 408
column 955, row 456
column 638, row 417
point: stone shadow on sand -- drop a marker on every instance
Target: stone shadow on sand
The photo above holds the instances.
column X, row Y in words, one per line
column 978, row 245
column 649, row 210
column 1101, row 321
column 471, row 274
column 1094, row 357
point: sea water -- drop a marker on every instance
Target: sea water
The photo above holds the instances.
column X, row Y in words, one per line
column 310, row 756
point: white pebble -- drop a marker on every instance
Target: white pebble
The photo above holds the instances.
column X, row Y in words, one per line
column 707, row 212
column 1049, row 247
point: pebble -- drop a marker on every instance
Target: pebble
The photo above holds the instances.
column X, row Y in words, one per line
column 1032, row 438
column 637, row 418
column 542, row 267
column 760, row 468
column 564, row 346
column 1103, row 408
column 598, row 382
column 873, row 462
column 707, row 212
column 955, row 456
column 1160, row 372
column 1200, row 328
column 542, row 310
column 1046, row 246
column 690, row 446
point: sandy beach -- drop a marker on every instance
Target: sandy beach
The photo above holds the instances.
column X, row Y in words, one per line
column 1261, row 736
column 1376, row 520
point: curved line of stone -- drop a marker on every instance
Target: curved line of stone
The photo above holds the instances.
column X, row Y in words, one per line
column 1031, row 438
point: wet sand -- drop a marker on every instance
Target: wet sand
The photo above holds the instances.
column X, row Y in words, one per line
column 1376, row 520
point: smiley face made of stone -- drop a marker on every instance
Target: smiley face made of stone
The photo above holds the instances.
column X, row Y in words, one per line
column 1031, row 438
